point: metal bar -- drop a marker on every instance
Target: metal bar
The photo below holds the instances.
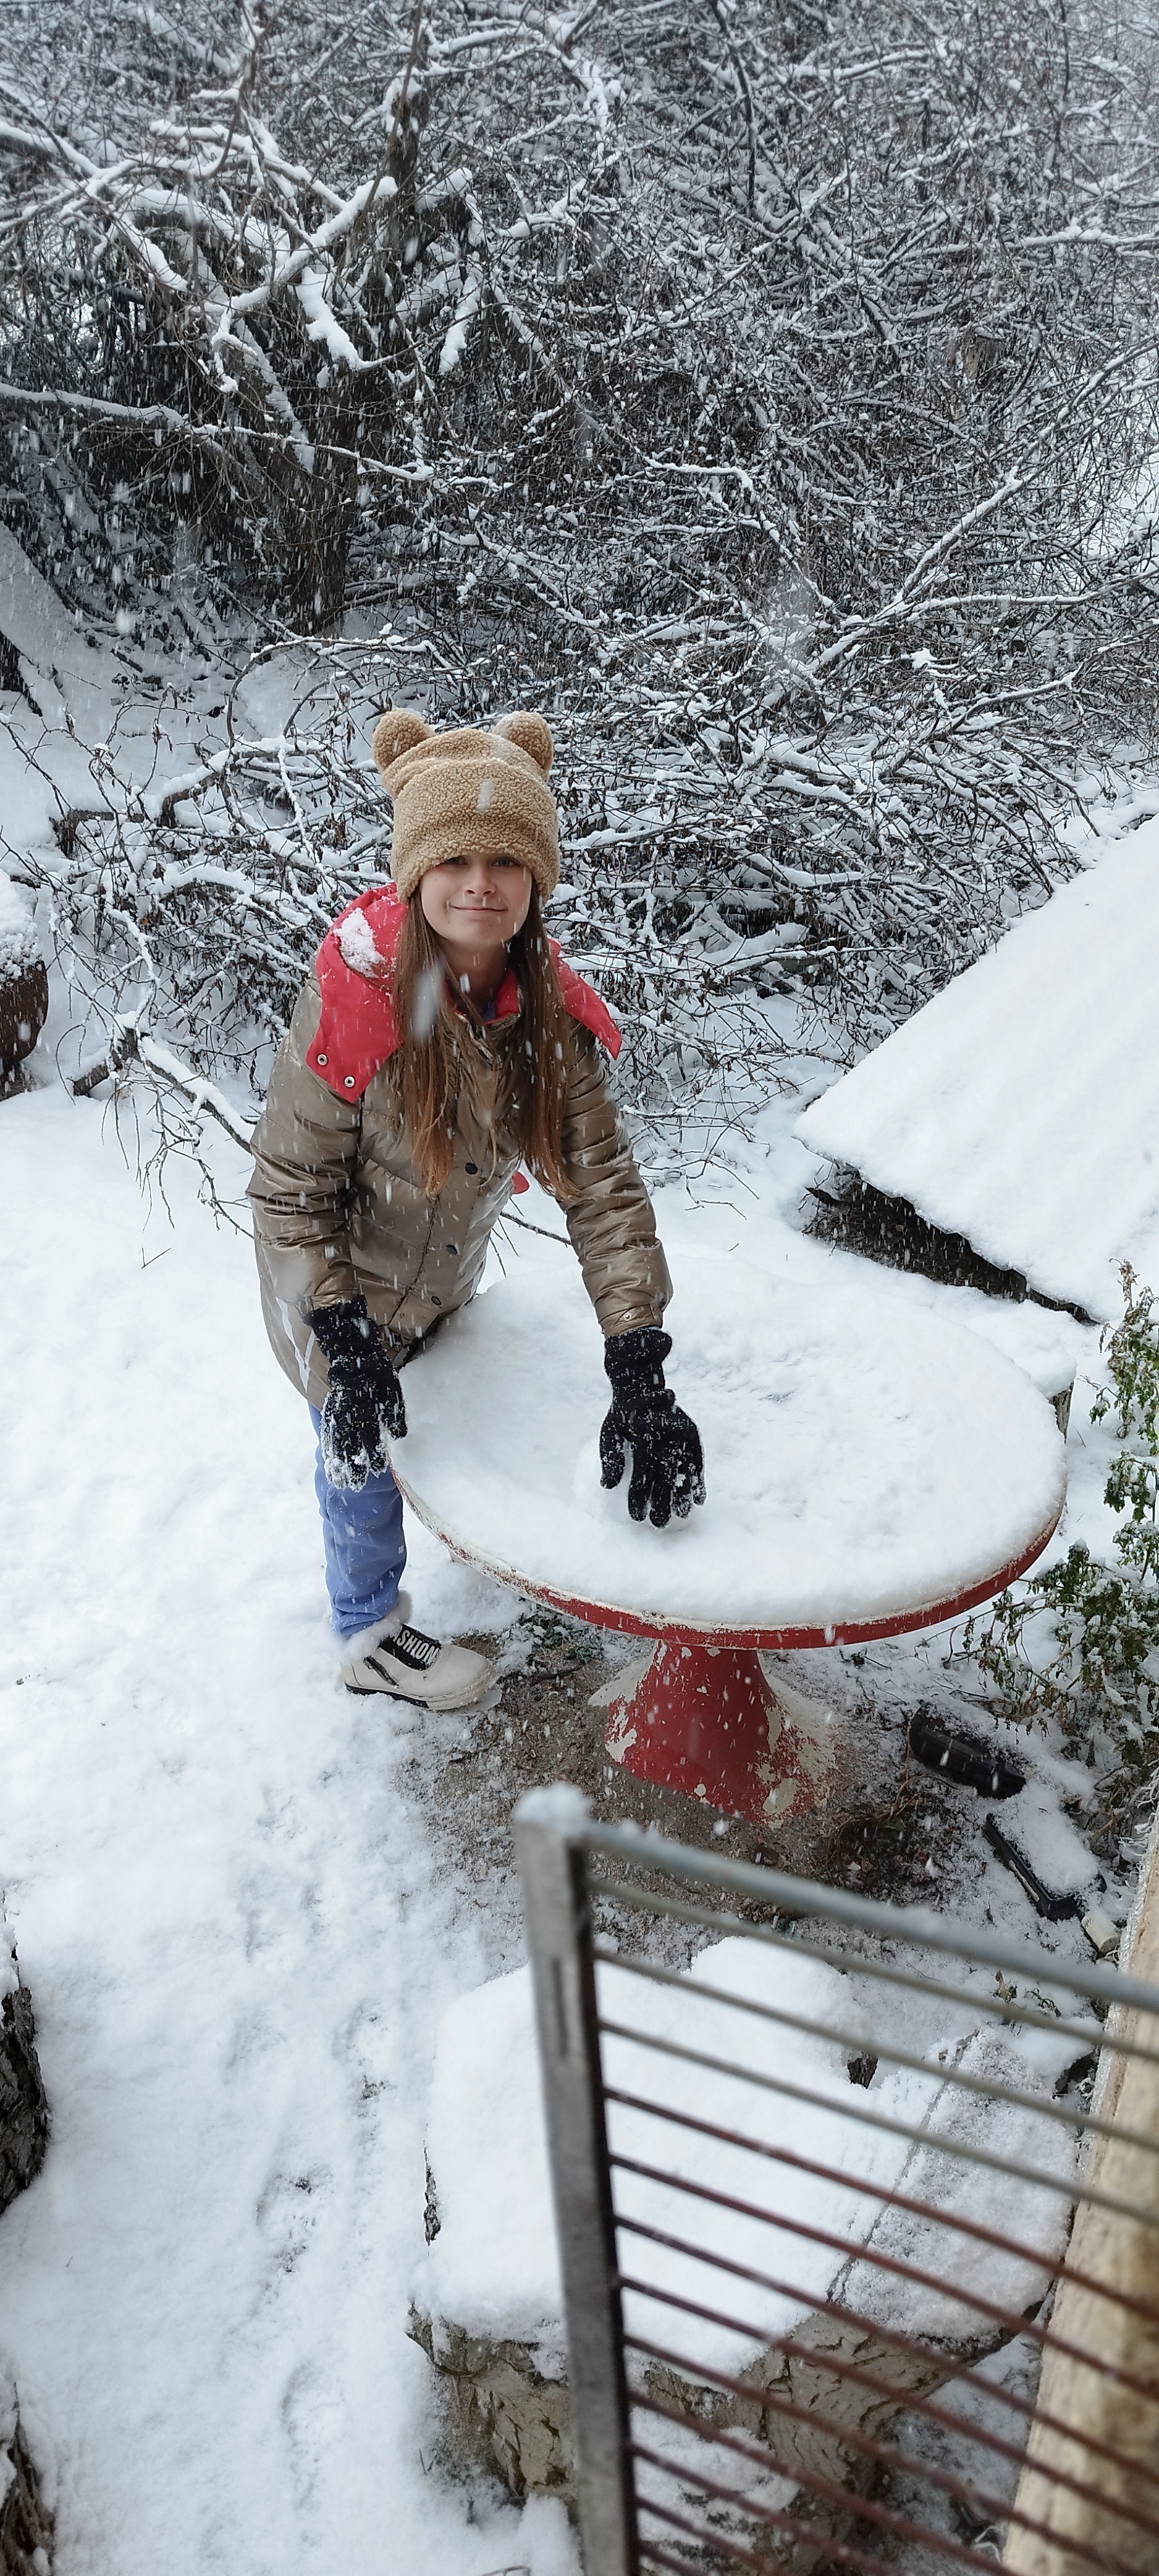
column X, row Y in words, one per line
column 1060, row 2025
column 862, row 2118
column 886, row 2520
column 556, row 1841
column 864, row 2253
column 947, row 2218
column 828, row 2491
column 654, row 2556
column 887, row 2454
column 896, row 2526
column 1059, row 2112
column 911, row 1925
column 757, row 2455
column 838, row 2553
column 1059, row 2266
column 899, row 2342
column 1007, row 2317
column 558, row 1931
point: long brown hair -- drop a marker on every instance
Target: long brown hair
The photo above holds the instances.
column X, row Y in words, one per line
column 440, row 1052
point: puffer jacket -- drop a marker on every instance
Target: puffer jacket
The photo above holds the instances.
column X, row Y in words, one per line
column 339, row 1209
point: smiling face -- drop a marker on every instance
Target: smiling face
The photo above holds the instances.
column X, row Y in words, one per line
column 474, row 906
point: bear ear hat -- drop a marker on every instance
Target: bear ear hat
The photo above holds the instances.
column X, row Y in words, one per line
column 396, row 732
column 529, row 733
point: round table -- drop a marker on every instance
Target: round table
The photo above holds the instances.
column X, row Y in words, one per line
column 871, row 1469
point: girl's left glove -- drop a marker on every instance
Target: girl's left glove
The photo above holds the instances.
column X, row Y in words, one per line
column 667, row 1459
column 365, row 1402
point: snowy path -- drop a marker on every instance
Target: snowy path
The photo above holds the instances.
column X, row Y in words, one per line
column 226, row 1918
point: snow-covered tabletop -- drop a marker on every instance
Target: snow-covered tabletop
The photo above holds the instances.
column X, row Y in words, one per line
column 859, row 1476
column 1021, row 1106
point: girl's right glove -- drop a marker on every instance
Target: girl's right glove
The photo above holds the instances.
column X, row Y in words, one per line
column 667, row 1459
column 365, row 1401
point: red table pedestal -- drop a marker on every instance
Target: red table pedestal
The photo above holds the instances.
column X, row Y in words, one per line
column 707, row 1720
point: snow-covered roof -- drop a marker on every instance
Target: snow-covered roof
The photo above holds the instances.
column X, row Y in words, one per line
column 1020, row 1108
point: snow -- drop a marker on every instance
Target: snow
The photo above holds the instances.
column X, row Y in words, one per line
column 19, row 944
column 493, row 2268
column 226, row 1918
column 154, row 258
column 466, row 312
column 356, row 941
column 32, row 617
column 323, row 322
column 1021, row 1106
column 1054, row 1848
column 52, row 752
column 853, row 1474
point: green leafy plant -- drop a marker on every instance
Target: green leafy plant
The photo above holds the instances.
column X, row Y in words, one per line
column 1080, row 1641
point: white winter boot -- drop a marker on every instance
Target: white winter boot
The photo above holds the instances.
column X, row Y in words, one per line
column 397, row 1659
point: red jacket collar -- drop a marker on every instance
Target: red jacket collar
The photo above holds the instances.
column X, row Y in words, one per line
column 357, row 1031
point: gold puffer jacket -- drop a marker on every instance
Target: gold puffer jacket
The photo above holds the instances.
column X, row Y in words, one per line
column 339, row 1210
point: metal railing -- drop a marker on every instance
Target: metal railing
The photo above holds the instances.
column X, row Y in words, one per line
column 815, row 2176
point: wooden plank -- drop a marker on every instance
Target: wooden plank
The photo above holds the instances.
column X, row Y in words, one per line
column 1123, row 2253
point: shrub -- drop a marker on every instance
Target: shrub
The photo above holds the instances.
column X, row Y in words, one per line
column 1080, row 1641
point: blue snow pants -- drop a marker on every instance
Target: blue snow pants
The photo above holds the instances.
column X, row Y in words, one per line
column 364, row 1544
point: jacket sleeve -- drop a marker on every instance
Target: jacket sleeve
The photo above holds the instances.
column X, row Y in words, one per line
column 305, row 1147
column 611, row 1222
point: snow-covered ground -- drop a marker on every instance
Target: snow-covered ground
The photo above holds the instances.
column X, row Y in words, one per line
column 226, row 1917
column 234, row 1935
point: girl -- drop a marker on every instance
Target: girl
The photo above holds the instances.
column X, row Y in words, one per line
column 440, row 1040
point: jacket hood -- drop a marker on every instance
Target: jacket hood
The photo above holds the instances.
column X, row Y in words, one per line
column 357, row 1030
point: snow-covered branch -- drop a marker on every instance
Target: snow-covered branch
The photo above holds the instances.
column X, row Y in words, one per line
column 770, row 397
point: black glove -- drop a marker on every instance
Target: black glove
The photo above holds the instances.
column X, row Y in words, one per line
column 365, row 1398
column 667, row 1459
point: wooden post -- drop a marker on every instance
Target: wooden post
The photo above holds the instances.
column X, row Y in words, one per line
column 1124, row 2254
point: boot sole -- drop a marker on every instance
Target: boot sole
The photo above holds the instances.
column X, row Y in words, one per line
column 412, row 1699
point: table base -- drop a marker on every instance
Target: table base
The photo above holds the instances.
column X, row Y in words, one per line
column 709, row 1721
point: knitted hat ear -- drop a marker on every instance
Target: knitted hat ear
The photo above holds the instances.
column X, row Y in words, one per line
column 397, row 731
column 529, row 732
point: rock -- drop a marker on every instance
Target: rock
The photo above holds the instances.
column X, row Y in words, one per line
column 877, row 2283
column 507, row 2408
column 23, row 978
column 833, row 2414
column 23, row 1012
column 26, row 2524
column 23, row 2107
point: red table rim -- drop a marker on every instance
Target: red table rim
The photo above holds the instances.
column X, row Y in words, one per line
column 677, row 1632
